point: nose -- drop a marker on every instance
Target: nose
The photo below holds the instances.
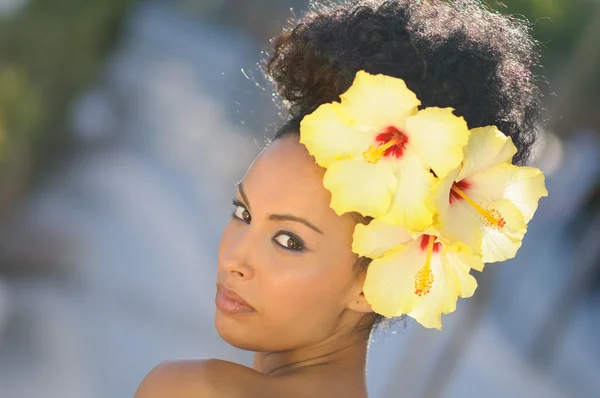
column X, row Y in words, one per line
column 234, row 254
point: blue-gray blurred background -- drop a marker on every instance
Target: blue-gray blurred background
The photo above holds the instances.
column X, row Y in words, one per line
column 124, row 126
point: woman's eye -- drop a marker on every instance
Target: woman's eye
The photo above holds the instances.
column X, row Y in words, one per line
column 241, row 213
column 289, row 242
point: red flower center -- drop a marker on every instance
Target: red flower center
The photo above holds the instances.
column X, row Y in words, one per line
column 425, row 240
column 393, row 140
column 488, row 215
column 457, row 187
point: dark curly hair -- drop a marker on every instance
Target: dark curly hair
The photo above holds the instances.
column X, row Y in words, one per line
column 457, row 54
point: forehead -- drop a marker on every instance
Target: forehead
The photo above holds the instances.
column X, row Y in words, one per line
column 284, row 178
column 285, row 171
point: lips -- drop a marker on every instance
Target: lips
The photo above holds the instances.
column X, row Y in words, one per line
column 230, row 302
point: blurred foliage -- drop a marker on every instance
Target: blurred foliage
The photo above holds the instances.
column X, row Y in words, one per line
column 262, row 19
column 49, row 51
column 20, row 103
column 559, row 26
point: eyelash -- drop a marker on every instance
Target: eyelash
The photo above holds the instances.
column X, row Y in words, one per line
column 239, row 205
column 245, row 217
column 299, row 245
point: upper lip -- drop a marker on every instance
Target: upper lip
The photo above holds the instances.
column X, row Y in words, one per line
column 231, row 295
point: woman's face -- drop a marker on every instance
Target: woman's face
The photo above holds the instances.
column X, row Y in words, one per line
column 288, row 255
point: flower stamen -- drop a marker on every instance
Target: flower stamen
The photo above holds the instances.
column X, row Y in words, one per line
column 375, row 153
column 490, row 216
column 393, row 141
column 424, row 277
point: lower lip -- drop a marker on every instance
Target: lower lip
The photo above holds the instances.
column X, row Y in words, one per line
column 227, row 305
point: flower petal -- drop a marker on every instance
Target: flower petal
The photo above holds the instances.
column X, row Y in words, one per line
column 457, row 221
column 328, row 136
column 411, row 205
column 451, row 280
column 487, row 147
column 390, row 283
column 462, row 261
column 359, row 186
column 377, row 101
column 499, row 244
column 375, row 239
column 440, row 300
column 438, row 137
column 524, row 186
column 459, row 224
column 493, row 229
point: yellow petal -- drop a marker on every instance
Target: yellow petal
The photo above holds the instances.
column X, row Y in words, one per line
column 462, row 261
column 493, row 229
column 390, row 283
column 438, row 137
column 441, row 299
column 359, row 186
column 377, row 101
column 457, row 221
column 375, row 239
column 499, row 244
column 487, row 147
column 327, row 135
column 411, row 205
column 524, row 186
column 451, row 280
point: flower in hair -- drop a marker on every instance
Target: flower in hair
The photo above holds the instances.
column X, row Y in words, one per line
column 421, row 276
column 443, row 199
column 379, row 150
column 487, row 202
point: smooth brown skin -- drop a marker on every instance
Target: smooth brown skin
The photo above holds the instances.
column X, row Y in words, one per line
column 308, row 304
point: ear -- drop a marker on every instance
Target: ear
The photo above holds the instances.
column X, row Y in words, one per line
column 358, row 301
column 360, row 304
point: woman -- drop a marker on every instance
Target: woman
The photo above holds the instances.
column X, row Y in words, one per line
column 290, row 285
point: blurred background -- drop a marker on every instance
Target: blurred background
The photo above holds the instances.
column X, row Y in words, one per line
column 124, row 125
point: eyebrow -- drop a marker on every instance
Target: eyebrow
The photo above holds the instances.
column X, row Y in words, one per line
column 278, row 217
column 287, row 217
column 240, row 188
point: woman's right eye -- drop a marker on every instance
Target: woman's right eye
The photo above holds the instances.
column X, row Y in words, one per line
column 241, row 213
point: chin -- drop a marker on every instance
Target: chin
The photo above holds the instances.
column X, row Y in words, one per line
column 237, row 330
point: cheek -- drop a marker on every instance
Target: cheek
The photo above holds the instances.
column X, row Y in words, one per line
column 231, row 238
column 306, row 291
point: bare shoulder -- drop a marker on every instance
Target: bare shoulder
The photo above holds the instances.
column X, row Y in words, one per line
column 210, row 378
column 214, row 378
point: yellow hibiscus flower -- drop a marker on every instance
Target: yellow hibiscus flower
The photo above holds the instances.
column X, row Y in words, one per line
column 487, row 202
column 378, row 149
column 420, row 276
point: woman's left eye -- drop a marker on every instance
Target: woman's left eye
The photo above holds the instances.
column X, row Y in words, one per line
column 289, row 242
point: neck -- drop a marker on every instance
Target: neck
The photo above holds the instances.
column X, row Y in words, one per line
column 347, row 350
